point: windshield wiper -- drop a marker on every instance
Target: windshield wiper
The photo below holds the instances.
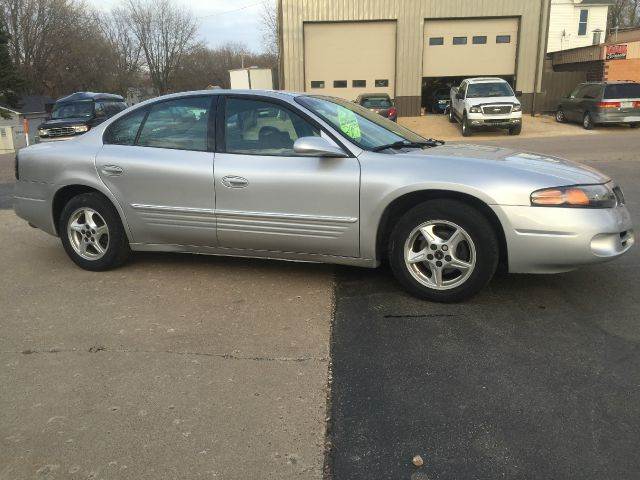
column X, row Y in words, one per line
column 430, row 142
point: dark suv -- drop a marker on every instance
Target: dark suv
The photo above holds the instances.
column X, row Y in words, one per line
column 78, row 113
column 596, row 103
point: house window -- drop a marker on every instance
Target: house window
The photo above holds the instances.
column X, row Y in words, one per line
column 434, row 41
column 503, row 39
column 339, row 84
column 582, row 26
column 459, row 40
column 479, row 40
column 382, row 83
column 317, row 83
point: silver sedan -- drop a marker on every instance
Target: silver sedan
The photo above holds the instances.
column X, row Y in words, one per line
column 310, row 178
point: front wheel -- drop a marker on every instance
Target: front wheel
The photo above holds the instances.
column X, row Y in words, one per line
column 92, row 234
column 515, row 130
column 560, row 116
column 634, row 125
column 466, row 128
column 443, row 251
column 452, row 118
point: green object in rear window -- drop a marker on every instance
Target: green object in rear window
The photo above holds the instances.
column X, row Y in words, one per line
column 348, row 123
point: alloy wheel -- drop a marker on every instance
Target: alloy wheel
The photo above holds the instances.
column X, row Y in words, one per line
column 440, row 254
column 88, row 233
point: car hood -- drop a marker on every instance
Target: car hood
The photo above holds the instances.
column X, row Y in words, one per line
column 472, row 102
column 64, row 122
column 546, row 169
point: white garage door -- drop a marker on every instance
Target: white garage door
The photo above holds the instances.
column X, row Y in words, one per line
column 346, row 59
column 470, row 47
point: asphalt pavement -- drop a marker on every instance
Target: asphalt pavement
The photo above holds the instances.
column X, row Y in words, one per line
column 536, row 377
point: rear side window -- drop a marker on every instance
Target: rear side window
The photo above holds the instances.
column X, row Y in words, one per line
column 178, row 124
column 124, row 130
column 622, row 90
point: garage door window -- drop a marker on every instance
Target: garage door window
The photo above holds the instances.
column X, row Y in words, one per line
column 359, row 83
column 339, row 84
column 503, row 39
column 479, row 40
column 317, row 84
column 459, row 40
column 435, row 41
column 382, row 83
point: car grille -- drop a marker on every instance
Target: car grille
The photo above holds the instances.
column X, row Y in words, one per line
column 496, row 109
column 60, row 132
column 619, row 195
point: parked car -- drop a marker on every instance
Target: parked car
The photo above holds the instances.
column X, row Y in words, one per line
column 322, row 180
column 380, row 103
column 596, row 103
column 485, row 102
column 78, row 113
column 439, row 101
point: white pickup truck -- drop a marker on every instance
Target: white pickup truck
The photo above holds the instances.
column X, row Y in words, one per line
column 485, row 102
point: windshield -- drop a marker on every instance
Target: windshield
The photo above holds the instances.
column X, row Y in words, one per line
column 366, row 129
column 82, row 108
column 376, row 102
column 622, row 90
column 494, row 89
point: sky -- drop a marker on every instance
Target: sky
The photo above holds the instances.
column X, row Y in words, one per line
column 219, row 21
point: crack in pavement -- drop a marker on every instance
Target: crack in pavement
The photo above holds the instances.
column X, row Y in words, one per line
column 226, row 356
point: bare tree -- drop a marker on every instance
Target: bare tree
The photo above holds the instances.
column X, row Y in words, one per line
column 270, row 28
column 165, row 33
column 624, row 14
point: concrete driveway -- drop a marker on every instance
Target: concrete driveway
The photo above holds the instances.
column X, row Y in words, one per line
column 174, row 366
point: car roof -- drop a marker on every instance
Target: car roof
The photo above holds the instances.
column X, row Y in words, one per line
column 485, row 79
column 74, row 97
column 374, row 95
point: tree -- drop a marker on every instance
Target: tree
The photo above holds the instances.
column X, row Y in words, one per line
column 11, row 84
column 624, row 14
column 270, row 28
column 165, row 34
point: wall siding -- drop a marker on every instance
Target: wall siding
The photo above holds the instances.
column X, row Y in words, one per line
column 410, row 16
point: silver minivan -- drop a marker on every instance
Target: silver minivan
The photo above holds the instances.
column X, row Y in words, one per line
column 596, row 103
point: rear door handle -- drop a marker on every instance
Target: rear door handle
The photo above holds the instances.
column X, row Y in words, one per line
column 112, row 170
column 233, row 181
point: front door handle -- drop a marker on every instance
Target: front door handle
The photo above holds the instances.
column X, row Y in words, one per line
column 233, row 181
column 112, row 170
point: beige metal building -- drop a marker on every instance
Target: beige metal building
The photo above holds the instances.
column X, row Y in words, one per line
column 347, row 47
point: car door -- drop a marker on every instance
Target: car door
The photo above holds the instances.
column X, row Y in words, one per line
column 589, row 97
column 270, row 198
column 158, row 162
column 570, row 104
column 459, row 99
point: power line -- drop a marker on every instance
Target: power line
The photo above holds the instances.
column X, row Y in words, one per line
column 231, row 11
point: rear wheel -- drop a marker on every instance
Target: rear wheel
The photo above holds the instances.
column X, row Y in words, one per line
column 587, row 121
column 92, row 234
column 466, row 128
column 443, row 251
column 560, row 116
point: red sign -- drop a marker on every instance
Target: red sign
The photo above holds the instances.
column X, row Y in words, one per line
column 616, row 52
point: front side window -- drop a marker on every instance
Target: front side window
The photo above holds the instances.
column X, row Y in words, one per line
column 591, row 92
column 489, row 89
column 80, row 109
column 258, row 127
column 459, row 40
column 178, row 124
column 124, row 130
column 582, row 25
column 361, row 126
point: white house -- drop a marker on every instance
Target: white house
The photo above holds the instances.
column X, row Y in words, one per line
column 577, row 23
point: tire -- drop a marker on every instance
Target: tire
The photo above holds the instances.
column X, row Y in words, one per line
column 480, row 255
column 587, row 121
column 560, row 116
column 634, row 125
column 515, row 130
column 452, row 117
column 466, row 129
column 103, row 249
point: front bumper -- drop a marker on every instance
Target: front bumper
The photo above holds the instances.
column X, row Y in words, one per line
column 480, row 120
column 55, row 139
column 553, row 240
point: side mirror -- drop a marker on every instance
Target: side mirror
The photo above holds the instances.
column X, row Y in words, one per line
column 317, row 147
column 518, row 93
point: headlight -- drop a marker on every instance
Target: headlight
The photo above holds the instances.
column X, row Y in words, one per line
column 475, row 110
column 80, row 128
column 43, row 132
column 578, row 196
column 517, row 108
